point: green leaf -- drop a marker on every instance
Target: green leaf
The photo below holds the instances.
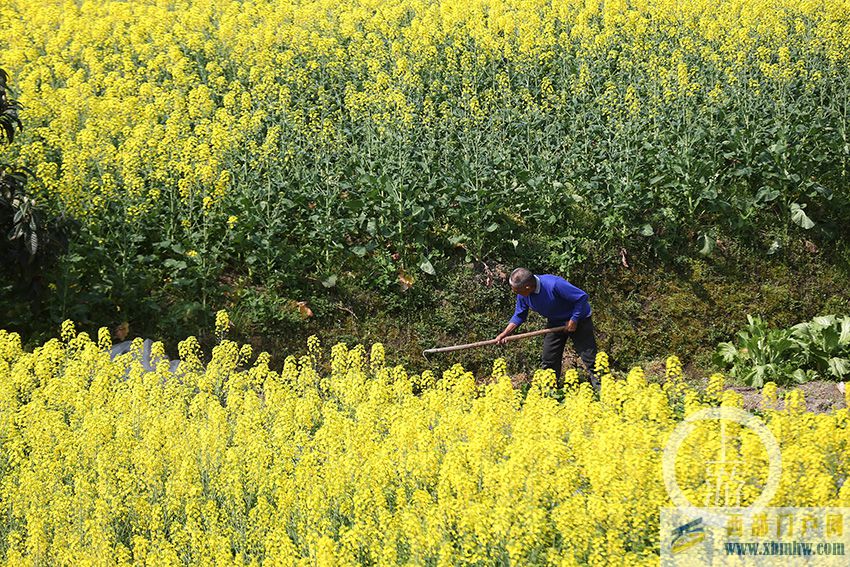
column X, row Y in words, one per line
column 32, row 243
column 774, row 248
column 426, row 267
column 799, row 217
column 756, row 376
column 492, row 227
column 177, row 265
column 330, row 281
column 839, row 367
column 359, row 251
column 647, row 230
column 844, row 338
column 727, row 352
column 767, row 194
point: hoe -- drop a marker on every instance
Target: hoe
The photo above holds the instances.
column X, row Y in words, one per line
column 426, row 352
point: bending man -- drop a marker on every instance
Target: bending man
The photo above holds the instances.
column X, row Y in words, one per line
column 563, row 304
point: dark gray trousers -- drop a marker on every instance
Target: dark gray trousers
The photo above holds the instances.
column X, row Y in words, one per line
column 584, row 343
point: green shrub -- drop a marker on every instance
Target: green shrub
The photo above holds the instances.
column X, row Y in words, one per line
column 817, row 349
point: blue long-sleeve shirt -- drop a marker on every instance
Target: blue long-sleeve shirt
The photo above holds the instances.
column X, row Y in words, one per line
column 556, row 299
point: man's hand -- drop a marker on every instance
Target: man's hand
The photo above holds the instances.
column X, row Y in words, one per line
column 500, row 338
column 571, row 326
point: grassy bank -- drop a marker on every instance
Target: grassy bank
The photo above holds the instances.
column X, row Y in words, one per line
column 642, row 313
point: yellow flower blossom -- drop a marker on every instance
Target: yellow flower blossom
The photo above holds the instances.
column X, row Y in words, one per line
column 398, row 468
column 222, row 322
column 156, row 110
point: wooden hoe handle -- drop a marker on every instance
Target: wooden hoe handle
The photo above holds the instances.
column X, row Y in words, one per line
column 493, row 341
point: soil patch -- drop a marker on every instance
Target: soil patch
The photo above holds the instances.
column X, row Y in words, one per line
column 821, row 396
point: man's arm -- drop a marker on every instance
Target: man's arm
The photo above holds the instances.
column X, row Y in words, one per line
column 573, row 295
column 500, row 339
column 579, row 307
column 520, row 314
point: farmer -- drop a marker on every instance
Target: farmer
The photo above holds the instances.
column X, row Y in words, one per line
column 562, row 304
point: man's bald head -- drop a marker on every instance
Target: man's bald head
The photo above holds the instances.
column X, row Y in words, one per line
column 521, row 277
